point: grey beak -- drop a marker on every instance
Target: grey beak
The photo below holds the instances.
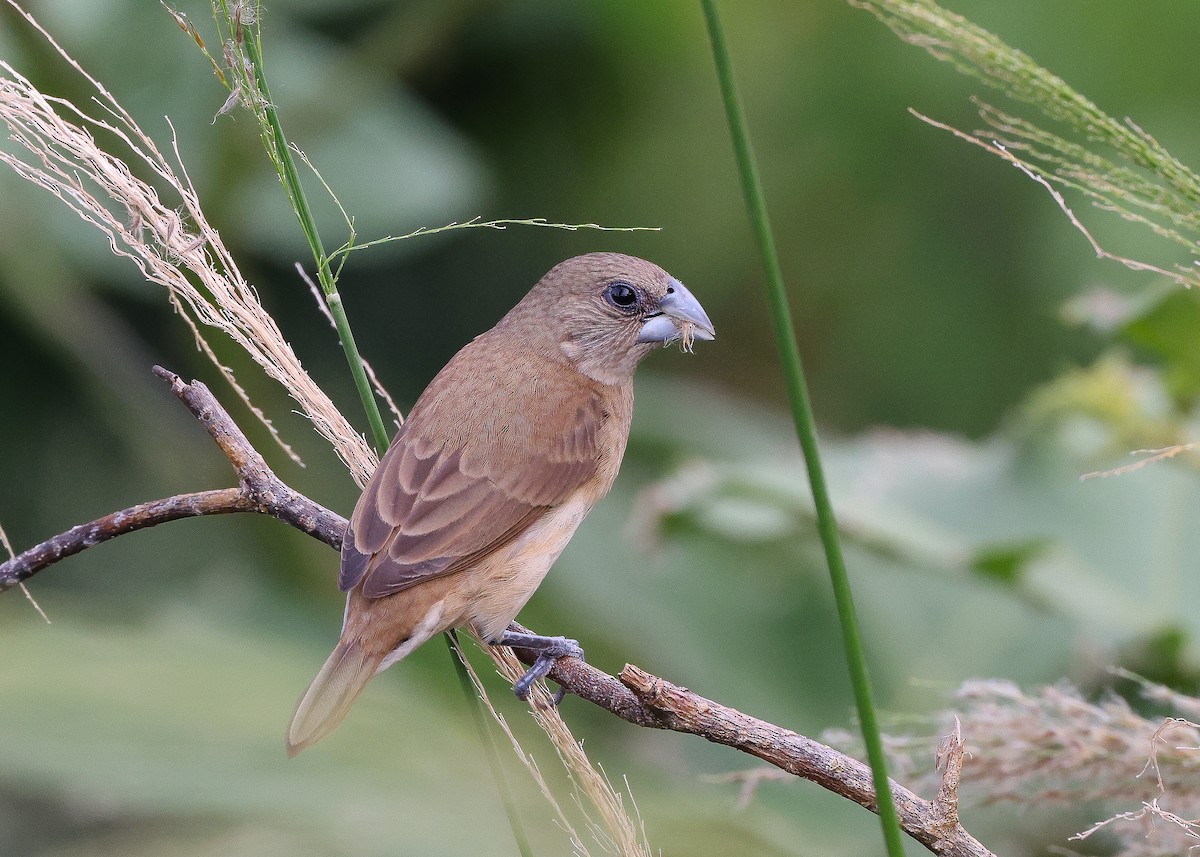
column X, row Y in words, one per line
column 678, row 305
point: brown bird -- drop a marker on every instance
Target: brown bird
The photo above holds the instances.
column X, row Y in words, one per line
column 502, row 456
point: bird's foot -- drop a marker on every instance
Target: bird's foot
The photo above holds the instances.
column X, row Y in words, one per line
column 549, row 650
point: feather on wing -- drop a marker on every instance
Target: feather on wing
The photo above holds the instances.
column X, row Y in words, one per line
column 445, row 498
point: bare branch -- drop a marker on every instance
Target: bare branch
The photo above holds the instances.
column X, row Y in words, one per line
column 259, row 490
column 679, row 709
column 77, row 539
column 637, row 696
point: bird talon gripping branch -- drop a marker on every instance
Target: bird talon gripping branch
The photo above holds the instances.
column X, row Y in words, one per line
column 502, row 456
column 548, row 647
column 540, row 669
column 549, row 650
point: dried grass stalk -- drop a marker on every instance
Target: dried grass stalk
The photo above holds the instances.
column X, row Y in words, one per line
column 175, row 247
column 612, row 825
column 1054, row 747
column 179, row 249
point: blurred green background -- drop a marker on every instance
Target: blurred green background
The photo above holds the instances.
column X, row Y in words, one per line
column 957, row 403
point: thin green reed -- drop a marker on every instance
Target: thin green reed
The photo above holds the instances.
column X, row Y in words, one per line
column 802, row 415
column 281, row 155
column 251, row 76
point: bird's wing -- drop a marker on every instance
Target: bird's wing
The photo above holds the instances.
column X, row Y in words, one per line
column 432, row 510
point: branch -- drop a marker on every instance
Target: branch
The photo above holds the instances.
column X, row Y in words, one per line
column 647, row 700
column 636, row 696
column 218, row 502
column 259, row 490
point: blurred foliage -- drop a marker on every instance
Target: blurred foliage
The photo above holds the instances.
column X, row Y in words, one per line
column 928, row 280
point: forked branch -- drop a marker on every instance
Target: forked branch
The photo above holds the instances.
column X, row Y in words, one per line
column 636, row 696
column 259, row 490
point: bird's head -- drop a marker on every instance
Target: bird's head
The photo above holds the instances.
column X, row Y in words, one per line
column 607, row 311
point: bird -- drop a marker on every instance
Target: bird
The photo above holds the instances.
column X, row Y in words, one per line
column 500, row 459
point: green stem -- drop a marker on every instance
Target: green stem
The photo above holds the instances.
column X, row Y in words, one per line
column 290, row 178
column 797, row 388
column 484, row 726
column 295, row 191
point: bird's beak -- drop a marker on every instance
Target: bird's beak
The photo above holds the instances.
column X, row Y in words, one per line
column 679, row 305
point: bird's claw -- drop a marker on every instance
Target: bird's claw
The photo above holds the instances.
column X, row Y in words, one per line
column 549, row 650
column 540, row 669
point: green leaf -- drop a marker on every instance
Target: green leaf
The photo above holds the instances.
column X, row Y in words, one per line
column 1007, row 563
column 1167, row 330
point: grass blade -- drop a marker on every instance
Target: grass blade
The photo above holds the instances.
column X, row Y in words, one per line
column 785, row 335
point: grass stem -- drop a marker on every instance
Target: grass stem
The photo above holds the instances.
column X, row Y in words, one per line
column 484, row 726
column 281, row 155
column 802, row 415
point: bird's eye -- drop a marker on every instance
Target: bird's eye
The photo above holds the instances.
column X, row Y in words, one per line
column 621, row 295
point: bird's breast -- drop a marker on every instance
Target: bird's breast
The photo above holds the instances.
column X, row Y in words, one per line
column 513, row 574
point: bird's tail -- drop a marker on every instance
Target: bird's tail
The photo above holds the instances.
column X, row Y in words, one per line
column 331, row 694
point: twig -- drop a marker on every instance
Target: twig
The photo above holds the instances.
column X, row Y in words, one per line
column 4, row 543
column 259, row 490
column 668, row 706
column 637, row 696
column 950, row 759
